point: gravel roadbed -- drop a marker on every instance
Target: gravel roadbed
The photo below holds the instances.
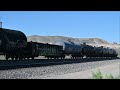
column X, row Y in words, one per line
column 44, row 72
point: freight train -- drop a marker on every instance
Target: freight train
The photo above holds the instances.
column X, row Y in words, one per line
column 14, row 45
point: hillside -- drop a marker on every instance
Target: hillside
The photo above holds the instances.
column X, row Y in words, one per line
column 48, row 39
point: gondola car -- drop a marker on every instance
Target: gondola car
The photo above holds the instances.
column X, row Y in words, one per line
column 36, row 49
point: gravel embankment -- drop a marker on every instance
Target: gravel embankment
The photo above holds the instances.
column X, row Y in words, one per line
column 48, row 71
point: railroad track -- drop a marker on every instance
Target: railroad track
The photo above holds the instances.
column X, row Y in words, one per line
column 14, row 64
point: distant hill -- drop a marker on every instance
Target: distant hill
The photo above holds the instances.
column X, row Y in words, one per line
column 49, row 39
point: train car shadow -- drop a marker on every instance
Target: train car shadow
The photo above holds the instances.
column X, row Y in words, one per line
column 49, row 62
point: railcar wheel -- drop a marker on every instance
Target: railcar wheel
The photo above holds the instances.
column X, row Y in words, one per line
column 71, row 57
column 32, row 57
column 16, row 58
column 6, row 57
column 48, row 58
column 63, row 57
column 12, row 58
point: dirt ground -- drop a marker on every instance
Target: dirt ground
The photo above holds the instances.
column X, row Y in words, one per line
column 113, row 69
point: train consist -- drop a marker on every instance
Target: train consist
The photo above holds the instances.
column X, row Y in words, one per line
column 14, row 45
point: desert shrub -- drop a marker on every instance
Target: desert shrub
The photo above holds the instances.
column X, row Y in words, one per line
column 97, row 75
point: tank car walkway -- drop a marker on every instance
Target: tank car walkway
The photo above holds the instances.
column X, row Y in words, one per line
column 113, row 69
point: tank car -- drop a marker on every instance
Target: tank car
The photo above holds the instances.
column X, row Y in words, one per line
column 114, row 53
column 105, row 52
column 108, row 52
column 98, row 51
column 12, row 41
column 88, row 51
column 70, row 48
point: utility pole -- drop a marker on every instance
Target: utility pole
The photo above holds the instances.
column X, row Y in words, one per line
column 0, row 23
column 119, row 29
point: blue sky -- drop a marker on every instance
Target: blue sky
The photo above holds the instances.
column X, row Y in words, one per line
column 76, row 24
